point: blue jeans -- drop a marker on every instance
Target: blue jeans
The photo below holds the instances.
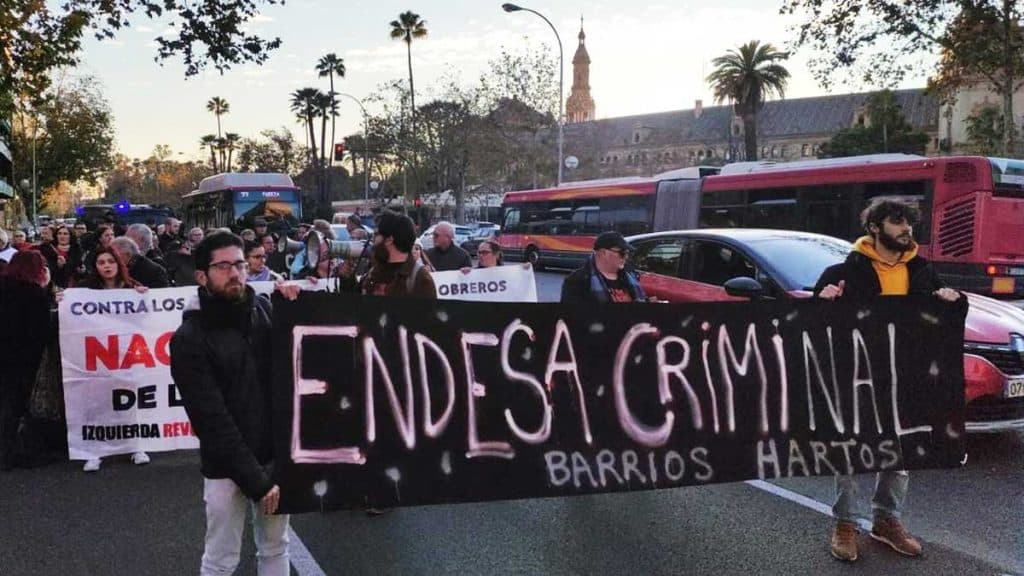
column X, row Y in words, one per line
column 887, row 502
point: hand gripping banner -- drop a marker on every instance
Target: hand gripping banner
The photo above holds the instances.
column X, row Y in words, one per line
column 393, row 402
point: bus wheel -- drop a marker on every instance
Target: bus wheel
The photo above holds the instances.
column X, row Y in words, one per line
column 533, row 257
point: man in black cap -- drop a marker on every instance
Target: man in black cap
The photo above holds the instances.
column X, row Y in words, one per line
column 260, row 227
column 604, row 278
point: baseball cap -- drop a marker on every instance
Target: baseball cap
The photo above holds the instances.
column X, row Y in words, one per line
column 259, row 222
column 611, row 240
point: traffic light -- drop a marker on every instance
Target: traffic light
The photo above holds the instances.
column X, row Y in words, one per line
column 339, row 152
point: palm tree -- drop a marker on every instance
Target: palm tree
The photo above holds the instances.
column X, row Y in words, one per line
column 325, row 106
column 407, row 27
column 747, row 77
column 219, row 107
column 210, row 141
column 330, row 65
column 303, row 105
column 231, row 141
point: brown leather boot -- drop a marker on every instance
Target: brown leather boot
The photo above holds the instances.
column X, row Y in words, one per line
column 890, row 531
column 844, row 541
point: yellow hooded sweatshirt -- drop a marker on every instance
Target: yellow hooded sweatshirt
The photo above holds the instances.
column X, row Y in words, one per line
column 894, row 278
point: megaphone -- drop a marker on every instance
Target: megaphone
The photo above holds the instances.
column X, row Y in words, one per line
column 335, row 248
column 286, row 245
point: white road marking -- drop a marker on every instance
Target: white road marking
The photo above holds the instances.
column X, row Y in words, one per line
column 301, row 559
column 802, row 500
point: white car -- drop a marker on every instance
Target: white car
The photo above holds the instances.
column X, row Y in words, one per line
column 462, row 233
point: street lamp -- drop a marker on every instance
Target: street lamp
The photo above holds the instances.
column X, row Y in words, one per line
column 366, row 144
column 509, row 7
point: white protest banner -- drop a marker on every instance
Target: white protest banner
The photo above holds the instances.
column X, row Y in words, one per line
column 266, row 287
column 118, row 393
column 513, row 283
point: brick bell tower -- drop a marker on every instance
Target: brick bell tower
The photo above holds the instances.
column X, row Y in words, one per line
column 580, row 105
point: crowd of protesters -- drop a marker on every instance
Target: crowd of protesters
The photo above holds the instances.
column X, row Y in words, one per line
column 33, row 274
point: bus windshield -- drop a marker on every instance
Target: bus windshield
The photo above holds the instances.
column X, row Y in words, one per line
column 275, row 206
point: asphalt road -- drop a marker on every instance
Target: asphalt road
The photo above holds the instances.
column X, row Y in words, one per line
column 149, row 520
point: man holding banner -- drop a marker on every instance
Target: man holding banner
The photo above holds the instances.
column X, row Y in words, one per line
column 220, row 361
column 883, row 263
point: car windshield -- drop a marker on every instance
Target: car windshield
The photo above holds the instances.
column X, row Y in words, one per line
column 800, row 260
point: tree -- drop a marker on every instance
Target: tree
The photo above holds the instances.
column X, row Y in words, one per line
column 303, row 104
column 231, row 141
column 276, row 151
column 985, row 130
column 219, row 107
column 210, row 141
column 883, row 40
column 885, row 130
column 747, row 77
column 71, row 131
column 409, row 26
column 330, row 65
column 38, row 37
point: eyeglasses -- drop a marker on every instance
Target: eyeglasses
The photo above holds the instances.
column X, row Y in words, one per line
column 225, row 267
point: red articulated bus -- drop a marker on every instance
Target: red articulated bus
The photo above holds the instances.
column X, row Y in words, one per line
column 557, row 226
column 972, row 208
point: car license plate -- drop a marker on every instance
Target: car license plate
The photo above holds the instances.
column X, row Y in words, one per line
column 1015, row 388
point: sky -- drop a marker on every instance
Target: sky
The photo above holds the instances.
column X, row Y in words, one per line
column 647, row 56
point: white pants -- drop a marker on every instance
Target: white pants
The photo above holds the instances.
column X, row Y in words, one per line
column 225, row 523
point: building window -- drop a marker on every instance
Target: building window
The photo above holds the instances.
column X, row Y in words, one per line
column 710, row 153
column 804, row 150
column 636, row 137
column 728, row 154
column 735, row 129
column 764, row 151
column 643, row 158
column 615, row 159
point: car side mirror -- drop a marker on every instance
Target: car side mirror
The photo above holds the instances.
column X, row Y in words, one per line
column 744, row 287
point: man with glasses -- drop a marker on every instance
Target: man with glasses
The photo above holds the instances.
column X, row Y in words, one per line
column 221, row 363
column 604, row 278
column 445, row 255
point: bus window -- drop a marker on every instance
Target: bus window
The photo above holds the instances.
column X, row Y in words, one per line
column 772, row 208
column 511, row 224
column 586, row 220
column 836, row 220
column 722, row 217
column 626, row 214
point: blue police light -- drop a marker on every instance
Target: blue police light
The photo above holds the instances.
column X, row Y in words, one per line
column 122, row 207
column 80, row 210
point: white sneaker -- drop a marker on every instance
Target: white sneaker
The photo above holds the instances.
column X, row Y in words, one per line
column 92, row 465
column 140, row 458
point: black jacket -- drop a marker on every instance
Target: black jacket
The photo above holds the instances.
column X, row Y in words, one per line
column 454, row 258
column 220, row 361
column 862, row 280
column 146, row 272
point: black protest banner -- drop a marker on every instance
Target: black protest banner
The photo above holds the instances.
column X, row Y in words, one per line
column 394, row 402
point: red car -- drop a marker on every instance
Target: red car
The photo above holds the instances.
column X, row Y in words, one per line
column 695, row 265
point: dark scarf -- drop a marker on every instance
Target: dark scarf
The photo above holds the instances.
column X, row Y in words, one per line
column 227, row 313
column 599, row 284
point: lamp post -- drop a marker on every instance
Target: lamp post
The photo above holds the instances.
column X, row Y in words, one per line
column 366, row 144
column 509, row 7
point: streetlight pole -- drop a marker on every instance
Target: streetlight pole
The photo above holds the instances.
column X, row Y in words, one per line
column 366, row 145
column 508, row 7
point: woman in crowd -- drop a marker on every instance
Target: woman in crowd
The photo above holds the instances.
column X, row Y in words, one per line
column 418, row 252
column 256, row 258
column 67, row 263
column 104, row 235
column 111, row 273
column 25, row 309
column 489, row 254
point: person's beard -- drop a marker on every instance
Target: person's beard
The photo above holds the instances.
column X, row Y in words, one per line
column 233, row 289
column 902, row 243
column 381, row 254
